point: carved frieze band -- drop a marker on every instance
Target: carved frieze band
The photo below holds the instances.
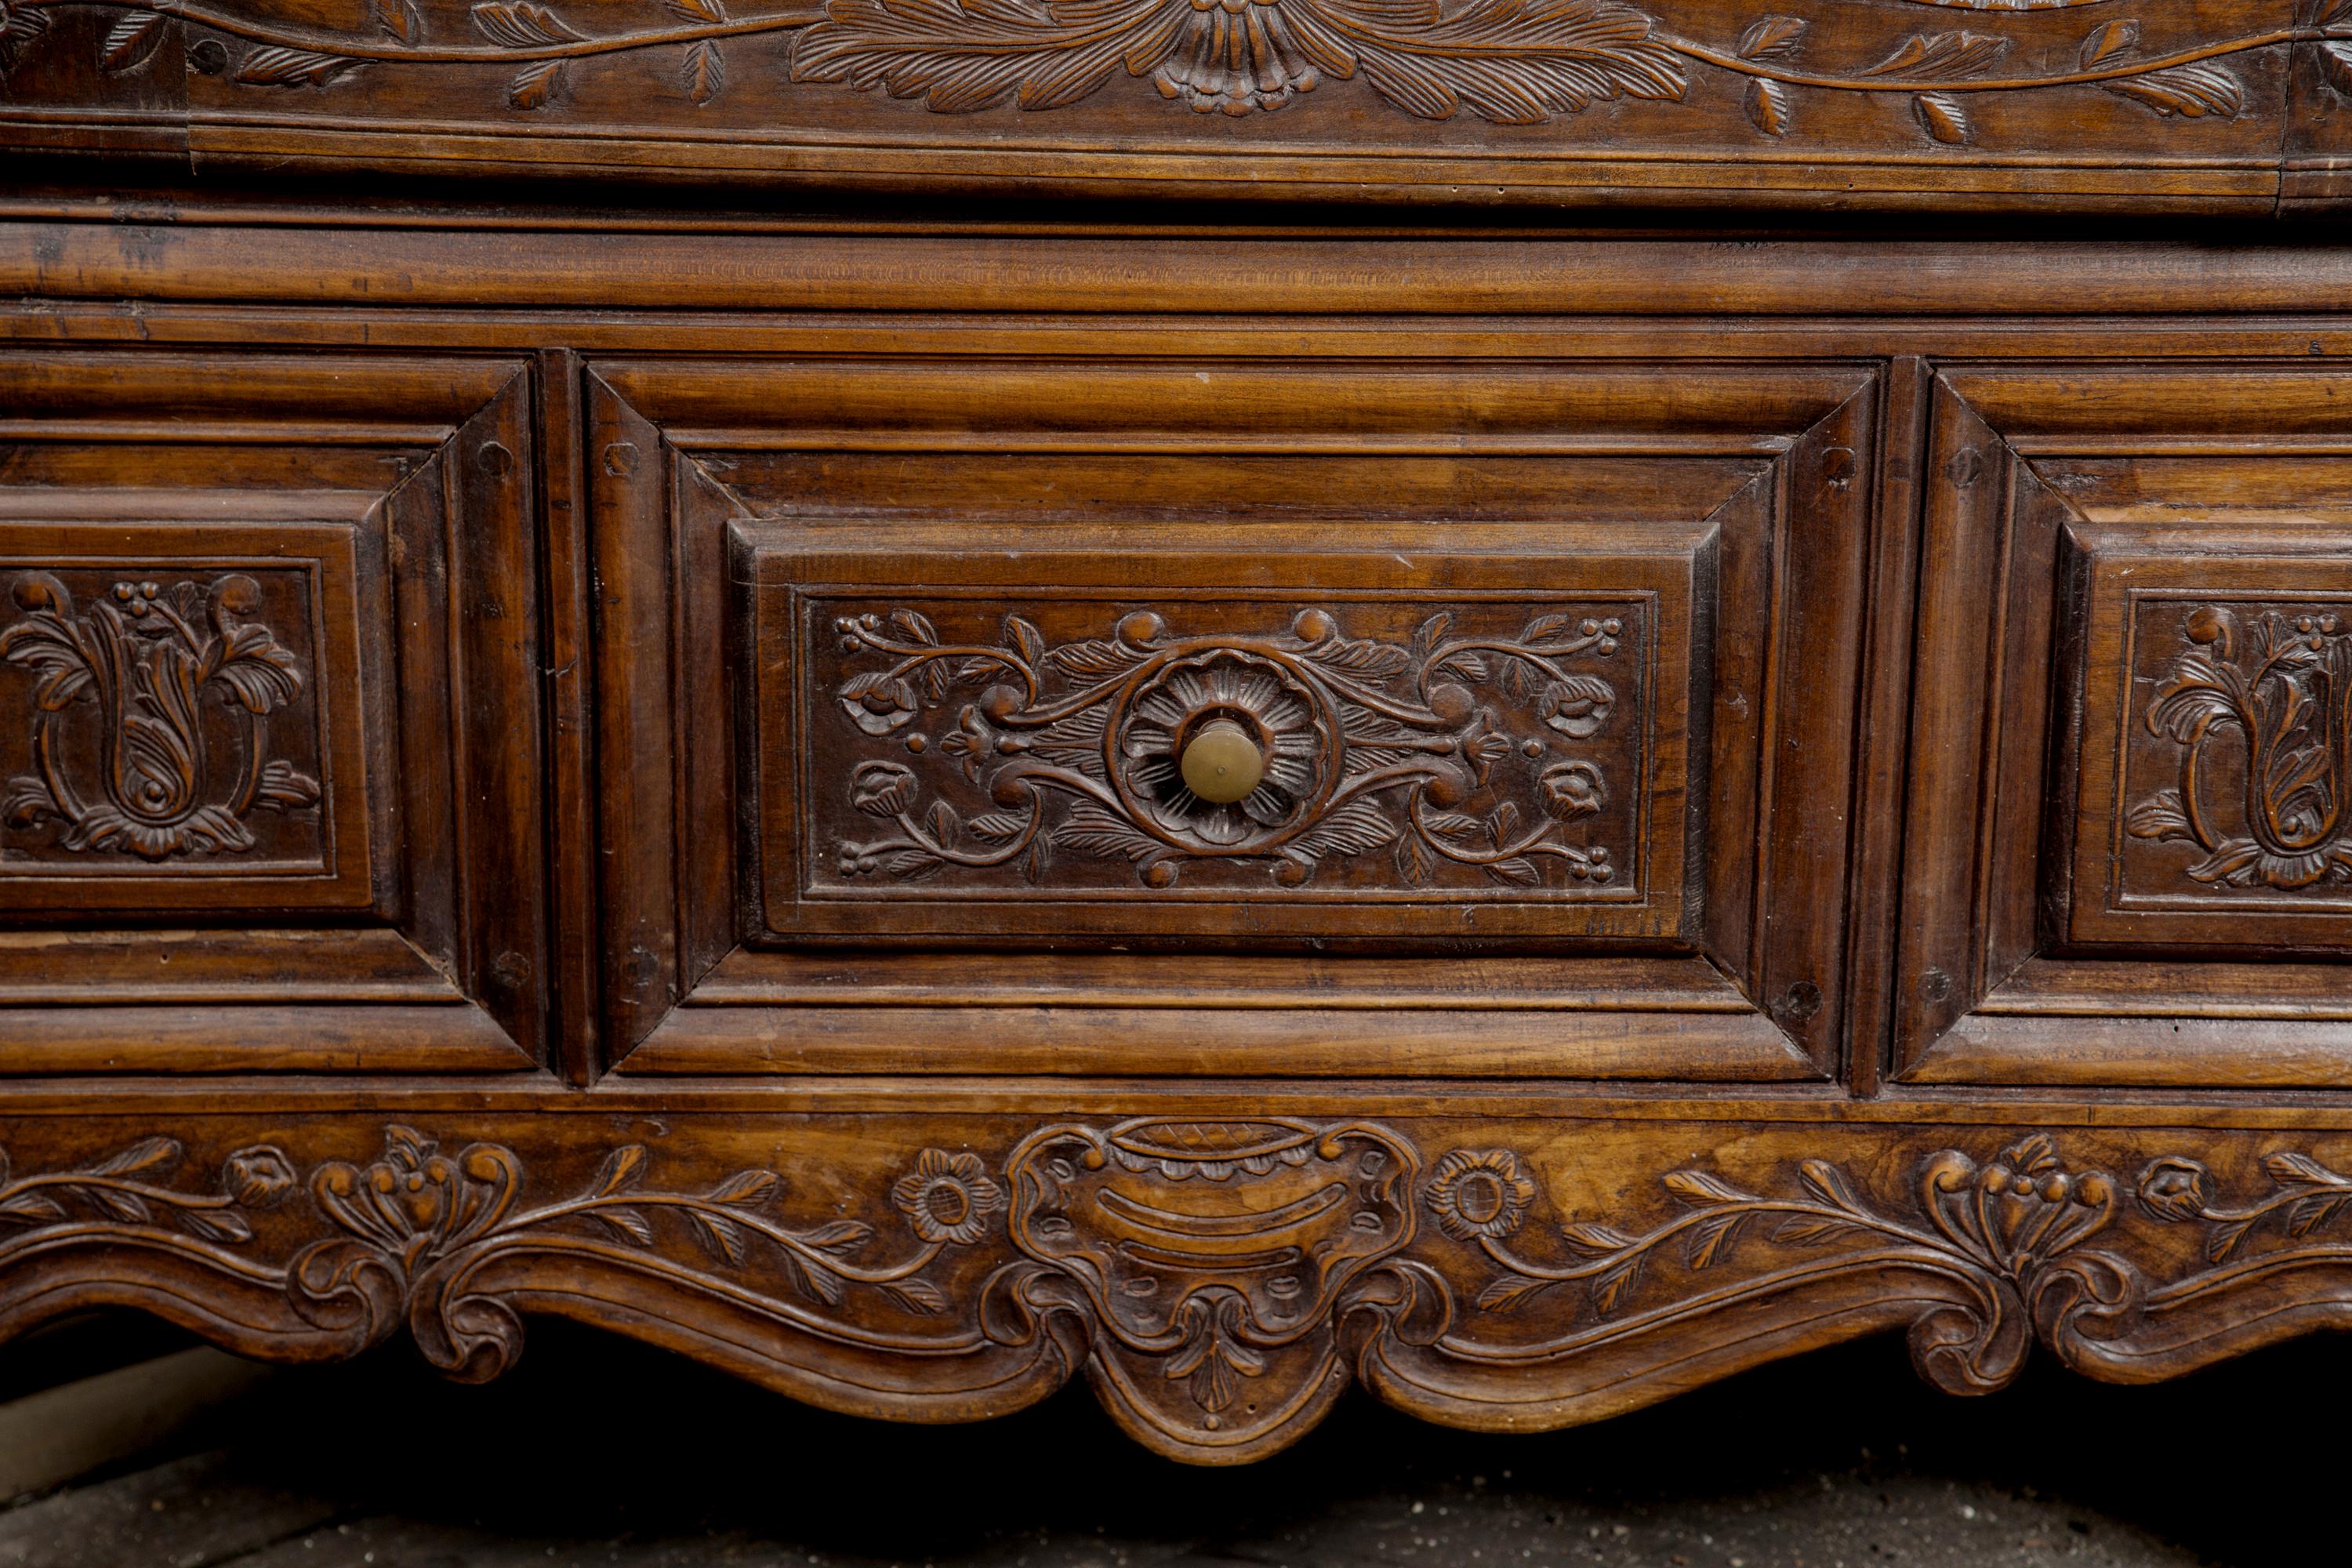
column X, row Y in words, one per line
column 1220, row 1282
column 1508, row 61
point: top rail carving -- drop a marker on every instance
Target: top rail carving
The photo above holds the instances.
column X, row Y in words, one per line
column 1512, row 62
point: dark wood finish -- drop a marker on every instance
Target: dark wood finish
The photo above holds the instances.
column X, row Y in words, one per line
column 2230, row 108
column 268, row 641
column 534, row 898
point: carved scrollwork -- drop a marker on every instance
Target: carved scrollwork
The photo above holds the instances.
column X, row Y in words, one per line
column 1512, row 62
column 1368, row 746
column 144, row 663
column 422, row 1230
column 1213, row 1263
column 1220, row 1281
column 2009, row 1234
column 2280, row 691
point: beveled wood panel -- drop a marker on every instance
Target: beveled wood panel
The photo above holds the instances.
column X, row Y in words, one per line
column 267, row 719
column 1010, row 501
column 2223, row 106
column 2130, row 727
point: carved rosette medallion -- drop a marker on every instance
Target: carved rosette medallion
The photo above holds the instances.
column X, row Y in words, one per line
column 1211, row 1262
column 2259, row 710
column 147, row 777
column 1368, row 747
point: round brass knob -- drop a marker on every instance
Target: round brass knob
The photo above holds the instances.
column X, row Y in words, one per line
column 1223, row 764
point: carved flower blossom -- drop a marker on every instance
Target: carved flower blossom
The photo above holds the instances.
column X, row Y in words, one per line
column 1571, row 790
column 1256, row 694
column 882, row 789
column 1480, row 1195
column 258, row 1178
column 947, row 1197
column 2174, row 1188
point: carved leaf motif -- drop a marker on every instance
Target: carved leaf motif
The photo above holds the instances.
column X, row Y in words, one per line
column 158, row 1154
column 1090, row 830
column 1945, row 55
column 1768, row 106
column 399, row 19
column 1357, row 826
column 703, row 71
column 1770, row 37
column 30, row 1207
column 2192, row 92
column 709, row 11
column 535, row 86
column 959, row 57
column 1941, row 118
column 747, row 1189
column 131, row 41
column 1085, row 660
column 21, row 27
column 1514, row 62
column 628, row 1224
column 1698, row 1187
column 1376, row 662
column 723, row 1235
column 523, row 25
column 1503, row 1294
column 1709, row 1242
column 293, row 68
column 2161, row 815
column 1412, row 859
column 2109, row 39
column 1026, row 640
column 621, row 1168
column 917, row 1296
column 1519, row 872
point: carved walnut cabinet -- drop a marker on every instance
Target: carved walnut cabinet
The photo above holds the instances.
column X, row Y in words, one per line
column 1515, row 701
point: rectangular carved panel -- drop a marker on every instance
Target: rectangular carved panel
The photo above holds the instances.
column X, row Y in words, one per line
column 2216, row 800
column 1485, row 739
column 179, row 721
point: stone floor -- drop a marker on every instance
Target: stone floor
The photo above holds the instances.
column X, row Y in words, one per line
column 598, row 1452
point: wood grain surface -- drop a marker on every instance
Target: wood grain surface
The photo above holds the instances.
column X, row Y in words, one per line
column 622, row 770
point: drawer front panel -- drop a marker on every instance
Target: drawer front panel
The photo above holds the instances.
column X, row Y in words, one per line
column 2128, row 853
column 269, row 737
column 1483, row 736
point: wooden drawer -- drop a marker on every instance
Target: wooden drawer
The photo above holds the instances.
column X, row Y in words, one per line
column 1478, row 732
column 269, row 790
column 1549, row 672
column 2130, row 858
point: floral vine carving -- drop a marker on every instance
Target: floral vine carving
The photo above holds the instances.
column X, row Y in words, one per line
column 2010, row 1234
column 1513, row 62
column 125, row 1194
column 2283, row 686
column 145, row 661
column 1368, row 745
column 423, row 1229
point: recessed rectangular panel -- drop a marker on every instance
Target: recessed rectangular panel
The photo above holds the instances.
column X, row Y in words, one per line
column 1485, row 737
column 2216, row 766
column 179, row 717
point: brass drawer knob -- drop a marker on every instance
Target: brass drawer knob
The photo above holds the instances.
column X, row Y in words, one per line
column 1223, row 764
